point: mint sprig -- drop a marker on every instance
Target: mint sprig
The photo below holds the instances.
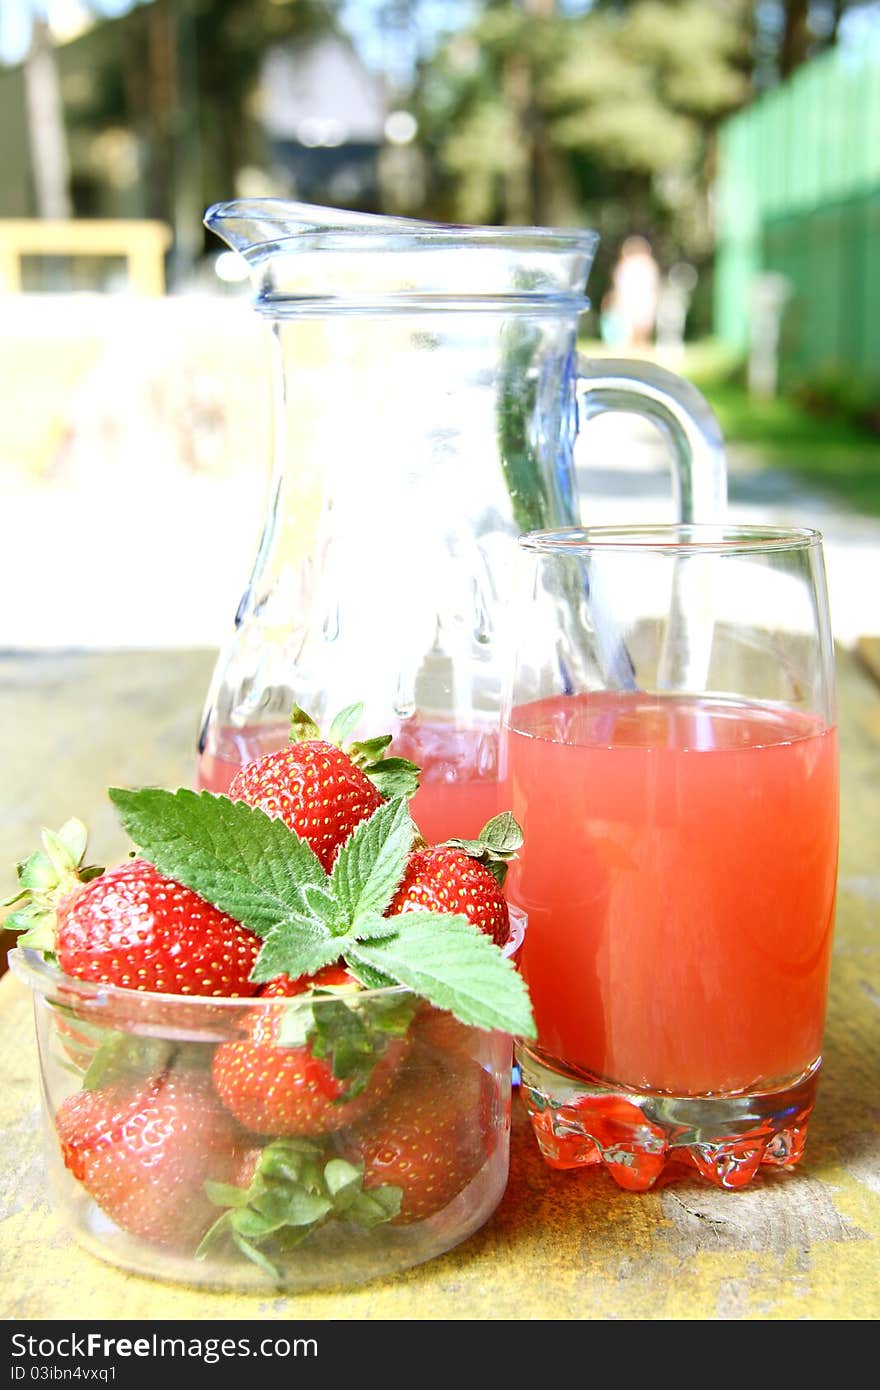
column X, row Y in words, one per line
column 370, row 864
column 457, row 967
column 265, row 876
column 234, row 855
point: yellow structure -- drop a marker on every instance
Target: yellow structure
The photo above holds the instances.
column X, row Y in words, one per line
column 142, row 244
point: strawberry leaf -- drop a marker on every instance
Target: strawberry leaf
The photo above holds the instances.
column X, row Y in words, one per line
column 74, row 836
column 38, row 874
column 455, row 966
column 345, row 724
column 302, row 726
column 393, row 777
column 37, row 925
column 294, row 1190
column 353, row 1039
column 247, row 1248
column 234, row 855
column 503, row 834
column 223, row 1194
column 370, row 864
column 127, row 1056
column 368, row 750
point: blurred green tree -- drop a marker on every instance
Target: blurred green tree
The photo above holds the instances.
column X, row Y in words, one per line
column 537, row 116
column 547, row 112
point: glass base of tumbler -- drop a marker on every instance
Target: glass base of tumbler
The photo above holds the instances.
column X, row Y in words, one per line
column 580, row 1120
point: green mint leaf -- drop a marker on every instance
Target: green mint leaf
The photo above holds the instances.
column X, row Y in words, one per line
column 302, row 726
column 323, row 906
column 345, row 724
column 299, row 945
column 369, row 926
column 393, row 777
column 368, row 750
column 455, row 966
column 232, row 854
column 370, row 864
column 367, row 974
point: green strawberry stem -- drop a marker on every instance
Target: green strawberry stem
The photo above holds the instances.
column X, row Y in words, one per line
column 45, row 878
column 351, row 1039
column 295, row 1189
column 495, row 846
column 391, row 776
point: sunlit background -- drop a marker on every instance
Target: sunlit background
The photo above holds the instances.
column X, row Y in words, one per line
column 740, row 139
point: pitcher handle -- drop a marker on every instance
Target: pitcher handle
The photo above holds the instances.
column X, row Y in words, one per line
column 699, row 481
column 684, row 417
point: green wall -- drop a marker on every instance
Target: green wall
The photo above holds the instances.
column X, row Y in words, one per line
column 798, row 192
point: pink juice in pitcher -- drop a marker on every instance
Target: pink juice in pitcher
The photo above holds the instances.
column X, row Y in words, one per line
column 458, row 792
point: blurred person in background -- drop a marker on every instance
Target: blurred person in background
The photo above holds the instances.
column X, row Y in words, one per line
column 629, row 308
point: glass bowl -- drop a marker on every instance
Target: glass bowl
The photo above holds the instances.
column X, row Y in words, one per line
column 199, row 1140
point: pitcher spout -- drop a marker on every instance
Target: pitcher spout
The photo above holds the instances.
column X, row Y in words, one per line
column 246, row 225
column 311, row 259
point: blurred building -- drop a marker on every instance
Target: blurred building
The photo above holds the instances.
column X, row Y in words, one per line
column 142, row 142
column 798, row 206
column 323, row 113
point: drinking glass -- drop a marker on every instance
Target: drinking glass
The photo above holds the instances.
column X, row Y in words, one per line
column 670, row 749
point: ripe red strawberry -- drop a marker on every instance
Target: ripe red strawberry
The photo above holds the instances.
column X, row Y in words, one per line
column 431, row 1136
column 283, row 987
column 443, row 878
column 144, row 1150
column 281, row 1090
column 442, row 1031
column 136, row 928
column 314, row 788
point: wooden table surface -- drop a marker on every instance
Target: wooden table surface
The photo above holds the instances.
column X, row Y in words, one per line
column 560, row 1246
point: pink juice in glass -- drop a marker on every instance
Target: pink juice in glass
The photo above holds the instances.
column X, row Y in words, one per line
column 458, row 791
column 679, row 874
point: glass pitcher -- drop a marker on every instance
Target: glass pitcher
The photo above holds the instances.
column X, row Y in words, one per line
column 426, row 396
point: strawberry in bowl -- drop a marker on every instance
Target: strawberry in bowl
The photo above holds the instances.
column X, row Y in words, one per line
column 276, row 1040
